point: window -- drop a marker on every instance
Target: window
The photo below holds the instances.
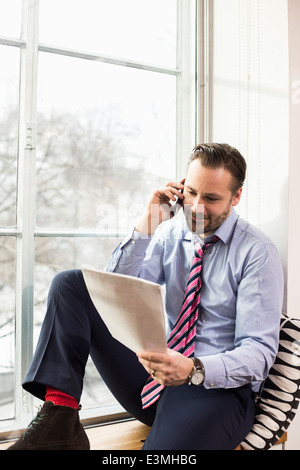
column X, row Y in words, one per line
column 97, row 107
column 9, row 101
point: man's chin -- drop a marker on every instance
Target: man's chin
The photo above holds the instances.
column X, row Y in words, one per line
column 196, row 226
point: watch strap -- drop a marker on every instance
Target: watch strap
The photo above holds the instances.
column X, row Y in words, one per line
column 198, row 365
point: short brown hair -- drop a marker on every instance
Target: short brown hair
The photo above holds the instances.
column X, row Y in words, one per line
column 222, row 156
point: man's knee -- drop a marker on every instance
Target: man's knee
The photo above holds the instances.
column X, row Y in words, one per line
column 67, row 279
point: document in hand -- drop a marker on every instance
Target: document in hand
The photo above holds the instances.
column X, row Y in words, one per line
column 131, row 308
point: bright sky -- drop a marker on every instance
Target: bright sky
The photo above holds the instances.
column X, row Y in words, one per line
column 137, row 29
column 110, row 27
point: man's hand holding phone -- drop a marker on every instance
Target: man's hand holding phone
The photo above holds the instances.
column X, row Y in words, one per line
column 161, row 207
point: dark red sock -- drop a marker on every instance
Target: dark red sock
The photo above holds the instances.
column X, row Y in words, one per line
column 60, row 398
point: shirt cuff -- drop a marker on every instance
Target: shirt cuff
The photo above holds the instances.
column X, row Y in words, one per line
column 215, row 374
column 137, row 243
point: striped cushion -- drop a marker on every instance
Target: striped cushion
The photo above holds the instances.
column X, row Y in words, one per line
column 279, row 399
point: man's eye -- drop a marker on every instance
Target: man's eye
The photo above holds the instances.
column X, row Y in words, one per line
column 212, row 199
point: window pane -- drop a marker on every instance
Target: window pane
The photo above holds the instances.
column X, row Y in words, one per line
column 10, row 18
column 140, row 30
column 9, row 72
column 57, row 254
column 106, row 137
column 7, row 326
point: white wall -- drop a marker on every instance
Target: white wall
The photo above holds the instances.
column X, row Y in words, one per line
column 294, row 176
column 256, row 107
column 251, row 105
column 294, row 180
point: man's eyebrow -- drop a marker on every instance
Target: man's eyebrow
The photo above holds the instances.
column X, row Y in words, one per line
column 214, row 195
column 190, row 187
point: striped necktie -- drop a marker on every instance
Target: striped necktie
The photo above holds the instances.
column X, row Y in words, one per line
column 183, row 334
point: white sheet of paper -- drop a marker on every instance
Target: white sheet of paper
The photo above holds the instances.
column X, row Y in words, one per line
column 131, row 308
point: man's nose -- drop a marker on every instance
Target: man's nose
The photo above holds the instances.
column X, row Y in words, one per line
column 198, row 205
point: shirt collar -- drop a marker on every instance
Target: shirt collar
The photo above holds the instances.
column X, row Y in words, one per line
column 224, row 232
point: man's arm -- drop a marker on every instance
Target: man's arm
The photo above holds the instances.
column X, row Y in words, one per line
column 259, row 305
column 159, row 208
column 129, row 257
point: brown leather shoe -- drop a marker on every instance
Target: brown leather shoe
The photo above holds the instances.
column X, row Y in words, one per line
column 54, row 428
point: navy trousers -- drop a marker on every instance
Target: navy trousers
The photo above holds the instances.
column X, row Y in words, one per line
column 185, row 417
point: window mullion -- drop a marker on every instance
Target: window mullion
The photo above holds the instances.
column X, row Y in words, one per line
column 26, row 205
column 204, row 19
column 107, row 59
column 186, row 62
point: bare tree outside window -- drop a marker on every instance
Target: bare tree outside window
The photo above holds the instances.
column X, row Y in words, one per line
column 105, row 127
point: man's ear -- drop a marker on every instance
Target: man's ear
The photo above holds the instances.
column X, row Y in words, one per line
column 237, row 197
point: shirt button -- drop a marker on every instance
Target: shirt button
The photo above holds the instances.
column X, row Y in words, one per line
column 212, row 384
column 133, row 242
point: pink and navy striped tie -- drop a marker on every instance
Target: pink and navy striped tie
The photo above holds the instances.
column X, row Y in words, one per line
column 183, row 334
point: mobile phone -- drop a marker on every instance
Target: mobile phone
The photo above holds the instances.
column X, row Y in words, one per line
column 176, row 206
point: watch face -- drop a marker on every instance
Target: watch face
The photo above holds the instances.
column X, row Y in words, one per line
column 197, row 377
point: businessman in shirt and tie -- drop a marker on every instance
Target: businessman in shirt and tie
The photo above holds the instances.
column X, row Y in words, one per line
column 207, row 396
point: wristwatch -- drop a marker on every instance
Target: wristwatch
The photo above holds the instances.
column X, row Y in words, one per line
column 197, row 375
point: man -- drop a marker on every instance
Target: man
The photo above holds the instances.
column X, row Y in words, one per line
column 203, row 388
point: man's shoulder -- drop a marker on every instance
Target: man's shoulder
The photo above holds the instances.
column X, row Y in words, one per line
column 251, row 235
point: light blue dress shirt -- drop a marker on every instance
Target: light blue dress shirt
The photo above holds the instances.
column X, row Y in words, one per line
column 241, row 295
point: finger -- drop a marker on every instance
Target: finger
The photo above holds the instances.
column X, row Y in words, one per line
column 155, row 357
column 165, row 195
column 169, row 193
column 149, row 366
column 176, row 185
column 177, row 190
column 175, row 193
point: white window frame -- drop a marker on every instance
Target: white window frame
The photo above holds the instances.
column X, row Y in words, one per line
column 192, row 74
